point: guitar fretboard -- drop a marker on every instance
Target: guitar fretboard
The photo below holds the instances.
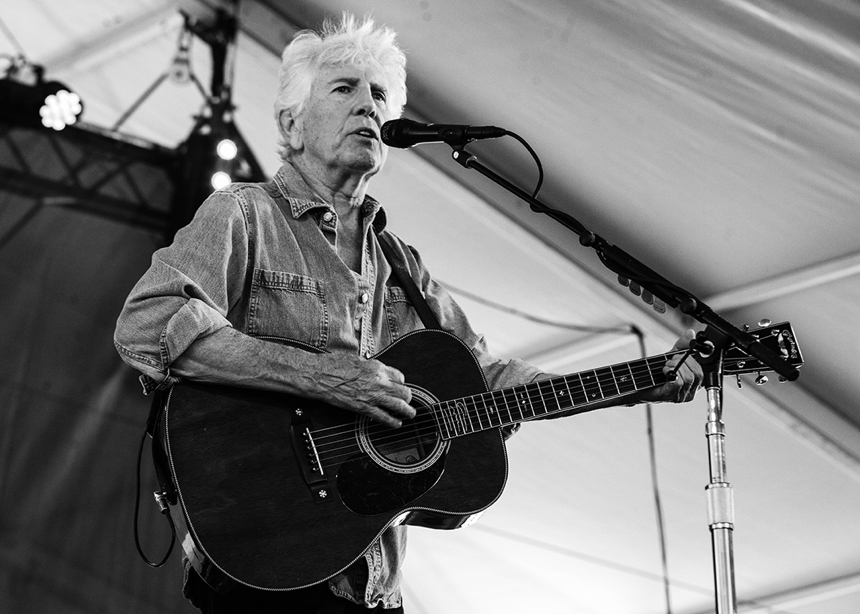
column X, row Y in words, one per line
column 498, row 408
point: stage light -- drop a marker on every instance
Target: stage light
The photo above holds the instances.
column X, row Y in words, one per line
column 227, row 149
column 61, row 109
column 50, row 104
column 220, row 180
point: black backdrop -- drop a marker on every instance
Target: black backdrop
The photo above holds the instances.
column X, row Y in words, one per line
column 80, row 215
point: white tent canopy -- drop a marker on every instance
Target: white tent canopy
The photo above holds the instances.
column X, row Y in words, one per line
column 716, row 141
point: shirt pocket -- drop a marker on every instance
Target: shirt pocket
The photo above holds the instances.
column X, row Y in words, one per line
column 289, row 307
column 400, row 316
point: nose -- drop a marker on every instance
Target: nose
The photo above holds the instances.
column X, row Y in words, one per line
column 365, row 105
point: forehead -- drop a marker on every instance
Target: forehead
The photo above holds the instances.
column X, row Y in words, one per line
column 328, row 75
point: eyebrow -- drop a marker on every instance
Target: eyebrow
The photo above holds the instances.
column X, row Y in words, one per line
column 354, row 81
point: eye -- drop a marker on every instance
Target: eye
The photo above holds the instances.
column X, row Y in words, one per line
column 379, row 95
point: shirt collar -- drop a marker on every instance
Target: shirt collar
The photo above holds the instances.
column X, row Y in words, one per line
column 302, row 199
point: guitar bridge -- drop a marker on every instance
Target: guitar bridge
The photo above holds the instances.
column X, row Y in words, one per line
column 308, row 458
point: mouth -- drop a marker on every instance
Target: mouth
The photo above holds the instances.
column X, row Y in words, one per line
column 367, row 133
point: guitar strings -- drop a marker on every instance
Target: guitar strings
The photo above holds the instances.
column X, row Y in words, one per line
column 509, row 396
column 339, row 442
column 515, row 395
column 434, row 422
column 634, row 367
column 349, row 444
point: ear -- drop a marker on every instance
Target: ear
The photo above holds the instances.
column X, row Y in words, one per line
column 291, row 129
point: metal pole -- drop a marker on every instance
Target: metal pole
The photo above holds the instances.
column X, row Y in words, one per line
column 721, row 512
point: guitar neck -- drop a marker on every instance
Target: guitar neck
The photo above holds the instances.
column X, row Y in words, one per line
column 507, row 406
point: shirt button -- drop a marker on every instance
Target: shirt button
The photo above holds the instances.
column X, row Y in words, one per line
column 328, row 216
column 364, row 297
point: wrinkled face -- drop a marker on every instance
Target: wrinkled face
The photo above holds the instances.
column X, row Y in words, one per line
column 339, row 126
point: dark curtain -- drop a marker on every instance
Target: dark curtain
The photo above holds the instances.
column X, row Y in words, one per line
column 79, row 217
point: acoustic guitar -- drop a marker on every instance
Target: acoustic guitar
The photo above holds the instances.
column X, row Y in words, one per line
column 279, row 492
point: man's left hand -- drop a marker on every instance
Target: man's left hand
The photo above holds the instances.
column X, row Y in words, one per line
column 687, row 381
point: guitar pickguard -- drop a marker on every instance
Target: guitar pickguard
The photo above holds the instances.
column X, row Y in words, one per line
column 367, row 489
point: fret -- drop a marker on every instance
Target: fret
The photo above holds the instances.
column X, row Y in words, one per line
column 542, row 395
column 660, row 361
column 639, row 374
column 591, row 386
column 507, row 406
column 497, row 408
column 489, row 409
column 528, row 392
column 512, row 402
column 494, row 409
column 455, row 418
column 624, row 378
column 460, row 418
column 445, row 419
column 451, row 412
column 467, row 415
column 606, row 381
column 479, row 398
column 561, row 395
column 523, row 403
column 578, row 394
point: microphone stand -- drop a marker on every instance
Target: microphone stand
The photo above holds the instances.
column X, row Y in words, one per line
column 720, row 335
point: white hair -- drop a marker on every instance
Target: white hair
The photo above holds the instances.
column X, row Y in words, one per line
column 347, row 43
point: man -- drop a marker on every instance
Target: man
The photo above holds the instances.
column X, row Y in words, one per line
column 283, row 286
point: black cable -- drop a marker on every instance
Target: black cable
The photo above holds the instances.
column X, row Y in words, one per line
column 661, row 524
column 12, row 38
column 534, row 156
column 652, row 452
column 608, row 330
column 137, row 511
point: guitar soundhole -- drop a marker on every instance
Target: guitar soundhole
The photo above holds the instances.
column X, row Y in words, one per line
column 410, row 448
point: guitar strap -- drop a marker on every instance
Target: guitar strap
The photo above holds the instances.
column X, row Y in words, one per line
column 418, row 301
column 408, row 284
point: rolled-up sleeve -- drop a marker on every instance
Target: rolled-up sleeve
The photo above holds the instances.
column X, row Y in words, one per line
column 187, row 292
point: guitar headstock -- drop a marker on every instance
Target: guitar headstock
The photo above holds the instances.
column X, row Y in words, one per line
column 778, row 338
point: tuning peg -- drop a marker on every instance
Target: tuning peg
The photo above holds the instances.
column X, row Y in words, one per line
column 746, row 328
column 782, row 379
column 659, row 306
column 763, row 323
column 761, row 379
column 740, row 383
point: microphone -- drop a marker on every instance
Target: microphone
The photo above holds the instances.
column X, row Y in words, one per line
column 405, row 133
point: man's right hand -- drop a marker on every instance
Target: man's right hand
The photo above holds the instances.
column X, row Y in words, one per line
column 367, row 387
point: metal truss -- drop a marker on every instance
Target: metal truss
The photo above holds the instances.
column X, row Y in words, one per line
column 89, row 170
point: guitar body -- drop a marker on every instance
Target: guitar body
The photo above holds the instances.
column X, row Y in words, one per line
column 258, row 507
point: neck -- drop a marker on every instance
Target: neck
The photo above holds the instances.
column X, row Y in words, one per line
column 344, row 188
column 571, row 394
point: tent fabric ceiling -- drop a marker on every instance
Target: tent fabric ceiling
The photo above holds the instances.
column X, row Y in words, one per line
column 716, row 140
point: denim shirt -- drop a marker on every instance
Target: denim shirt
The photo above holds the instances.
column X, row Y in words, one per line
column 261, row 258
